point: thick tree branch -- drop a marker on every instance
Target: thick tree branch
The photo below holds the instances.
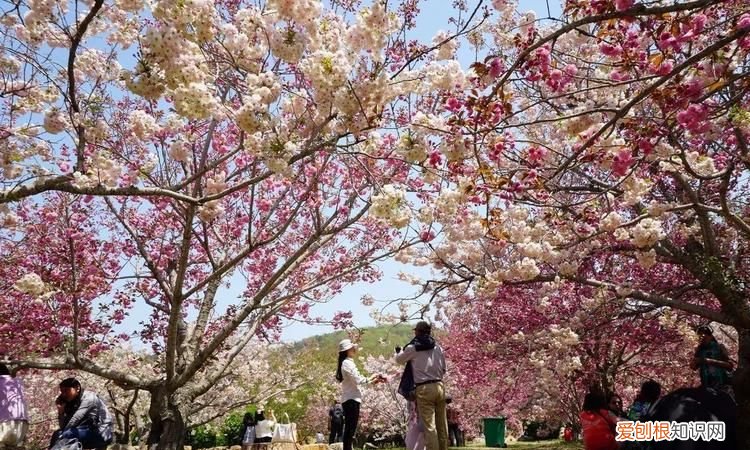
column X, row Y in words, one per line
column 739, row 34
column 203, row 315
column 177, row 298
column 636, row 11
column 76, row 110
column 63, row 183
column 126, row 380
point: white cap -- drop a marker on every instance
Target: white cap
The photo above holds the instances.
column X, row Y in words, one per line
column 345, row 345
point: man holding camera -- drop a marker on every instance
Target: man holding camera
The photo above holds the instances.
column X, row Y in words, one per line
column 428, row 368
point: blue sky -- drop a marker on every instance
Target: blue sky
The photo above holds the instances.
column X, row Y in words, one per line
column 433, row 17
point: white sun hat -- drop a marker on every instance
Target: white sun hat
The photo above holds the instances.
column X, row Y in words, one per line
column 345, row 345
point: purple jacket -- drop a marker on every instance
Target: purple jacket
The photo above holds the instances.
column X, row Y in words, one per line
column 12, row 401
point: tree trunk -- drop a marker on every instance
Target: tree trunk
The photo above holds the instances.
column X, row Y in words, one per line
column 119, row 433
column 167, row 423
column 606, row 381
column 742, row 389
column 127, row 427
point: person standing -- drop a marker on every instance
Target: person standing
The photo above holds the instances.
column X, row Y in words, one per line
column 351, row 397
column 455, row 434
column 86, row 417
column 264, row 427
column 428, row 367
column 336, row 414
column 712, row 361
column 414, row 438
column 14, row 421
column 247, row 436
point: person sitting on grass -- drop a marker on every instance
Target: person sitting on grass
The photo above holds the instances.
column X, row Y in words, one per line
column 614, row 404
column 86, row 417
column 649, row 394
column 598, row 423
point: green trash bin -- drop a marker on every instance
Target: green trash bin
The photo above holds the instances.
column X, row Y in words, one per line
column 494, row 432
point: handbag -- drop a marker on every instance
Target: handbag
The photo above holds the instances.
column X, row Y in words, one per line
column 285, row 432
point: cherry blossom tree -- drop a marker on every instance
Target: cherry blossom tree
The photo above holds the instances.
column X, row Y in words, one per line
column 256, row 375
column 544, row 348
column 384, row 411
column 230, row 173
column 606, row 147
column 277, row 145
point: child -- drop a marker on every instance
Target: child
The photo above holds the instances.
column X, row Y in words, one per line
column 650, row 392
column 712, row 361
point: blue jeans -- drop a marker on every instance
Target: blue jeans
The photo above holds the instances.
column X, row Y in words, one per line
column 87, row 436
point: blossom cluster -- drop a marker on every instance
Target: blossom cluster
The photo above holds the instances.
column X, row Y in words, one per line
column 390, row 206
column 30, row 283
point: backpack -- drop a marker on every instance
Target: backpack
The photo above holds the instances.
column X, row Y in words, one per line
column 406, row 387
column 338, row 414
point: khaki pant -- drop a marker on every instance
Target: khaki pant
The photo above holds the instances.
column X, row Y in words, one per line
column 431, row 410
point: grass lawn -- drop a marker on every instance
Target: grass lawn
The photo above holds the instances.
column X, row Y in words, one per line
column 541, row 445
column 547, row 445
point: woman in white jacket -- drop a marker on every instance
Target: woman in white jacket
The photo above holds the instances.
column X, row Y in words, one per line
column 351, row 397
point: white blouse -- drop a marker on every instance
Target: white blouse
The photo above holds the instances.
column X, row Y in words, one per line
column 352, row 380
column 264, row 428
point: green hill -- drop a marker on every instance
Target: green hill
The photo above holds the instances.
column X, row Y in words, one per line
column 375, row 341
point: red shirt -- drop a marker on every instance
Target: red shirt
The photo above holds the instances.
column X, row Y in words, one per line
column 598, row 430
